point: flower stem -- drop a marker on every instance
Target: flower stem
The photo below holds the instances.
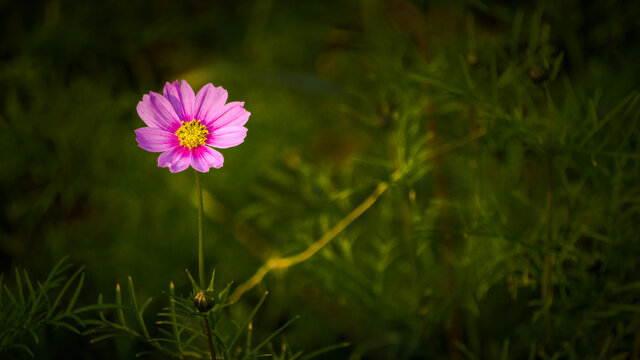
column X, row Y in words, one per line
column 200, row 233
column 207, row 328
column 209, row 340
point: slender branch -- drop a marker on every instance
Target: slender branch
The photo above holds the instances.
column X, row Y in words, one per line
column 207, row 330
column 437, row 151
column 200, row 233
column 282, row 263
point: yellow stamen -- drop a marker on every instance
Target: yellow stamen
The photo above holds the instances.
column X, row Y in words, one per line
column 192, row 134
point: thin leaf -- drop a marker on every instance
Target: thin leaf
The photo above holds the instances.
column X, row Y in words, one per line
column 194, row 284
column 19, row 286
column 213, row 276
column 119, row 302
column 258, row 356
column 517, row 27
column 325, row 350
column 168, row 333
column 249, row 335
column 76, row 293
column 172, row 308
column 505, row 350
column 188, row 308
column 32, row 292
column 465, row 72
column 181, row 326
column 193, row 354
column 171, row 341
column 224, row 294
column 132, row 297
column 101, row 312
column 104, row 337
column 97, row 307
column 246, row 323
column 24, row 348
column 144, row 306
column 33, row 335
column 631, row 98
column 64, row 290
column 462, row 347
column 275, row 333
column 557, row 65
column 66, row 326
column 175, row 316
column 10, row 295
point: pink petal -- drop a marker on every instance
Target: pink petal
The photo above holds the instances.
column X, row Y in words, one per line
column 156, row 111
column 182, row 99
column 209, row 102
column 227, row 136
column 156, row 140
column 233, row 114
column 177, row 159
column 203, row 158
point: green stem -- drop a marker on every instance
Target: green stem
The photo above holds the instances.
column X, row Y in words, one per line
column 200, row 233
column 207, row 330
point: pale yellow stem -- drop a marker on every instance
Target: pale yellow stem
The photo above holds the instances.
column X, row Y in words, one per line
column 282, row 263
column 285, row 262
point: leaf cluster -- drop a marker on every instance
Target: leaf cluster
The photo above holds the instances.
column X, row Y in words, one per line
column 27, row 307
column 180, row 331
column 510, row 229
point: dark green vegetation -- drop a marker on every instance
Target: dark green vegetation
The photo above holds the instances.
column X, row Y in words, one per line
column 507, row 136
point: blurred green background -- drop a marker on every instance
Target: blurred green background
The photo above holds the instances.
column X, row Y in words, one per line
column 512, row 225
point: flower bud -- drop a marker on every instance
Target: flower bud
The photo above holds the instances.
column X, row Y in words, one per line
column 203, row 301
column 538, row 74
column 472, row 58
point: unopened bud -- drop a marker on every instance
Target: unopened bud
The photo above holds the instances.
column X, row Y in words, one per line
column 472, row 58
column 538, row 74
column 203, row 301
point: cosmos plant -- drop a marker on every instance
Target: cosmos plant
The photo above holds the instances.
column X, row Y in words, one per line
column 184, row 127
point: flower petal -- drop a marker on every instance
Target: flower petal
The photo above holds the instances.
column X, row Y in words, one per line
column 204, row 157
column 182, row 99
column 227, row 136
column 156, row 140
column 233, row 114
column 156, row 111
column 177, row 159
column 209, row 102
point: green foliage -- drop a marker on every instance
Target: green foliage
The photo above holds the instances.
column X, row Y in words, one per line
column 507, row 133
column 181, row 329
column 29, row 307
column 513, row 217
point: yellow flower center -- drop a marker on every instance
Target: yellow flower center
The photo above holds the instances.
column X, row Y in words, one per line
column 192, row 134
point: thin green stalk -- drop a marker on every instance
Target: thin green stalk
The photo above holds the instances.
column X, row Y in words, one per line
column 172, row 308
column 207, row 330
column 200, row 232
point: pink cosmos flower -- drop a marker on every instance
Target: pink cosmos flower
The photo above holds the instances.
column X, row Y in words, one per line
column 183, row 126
